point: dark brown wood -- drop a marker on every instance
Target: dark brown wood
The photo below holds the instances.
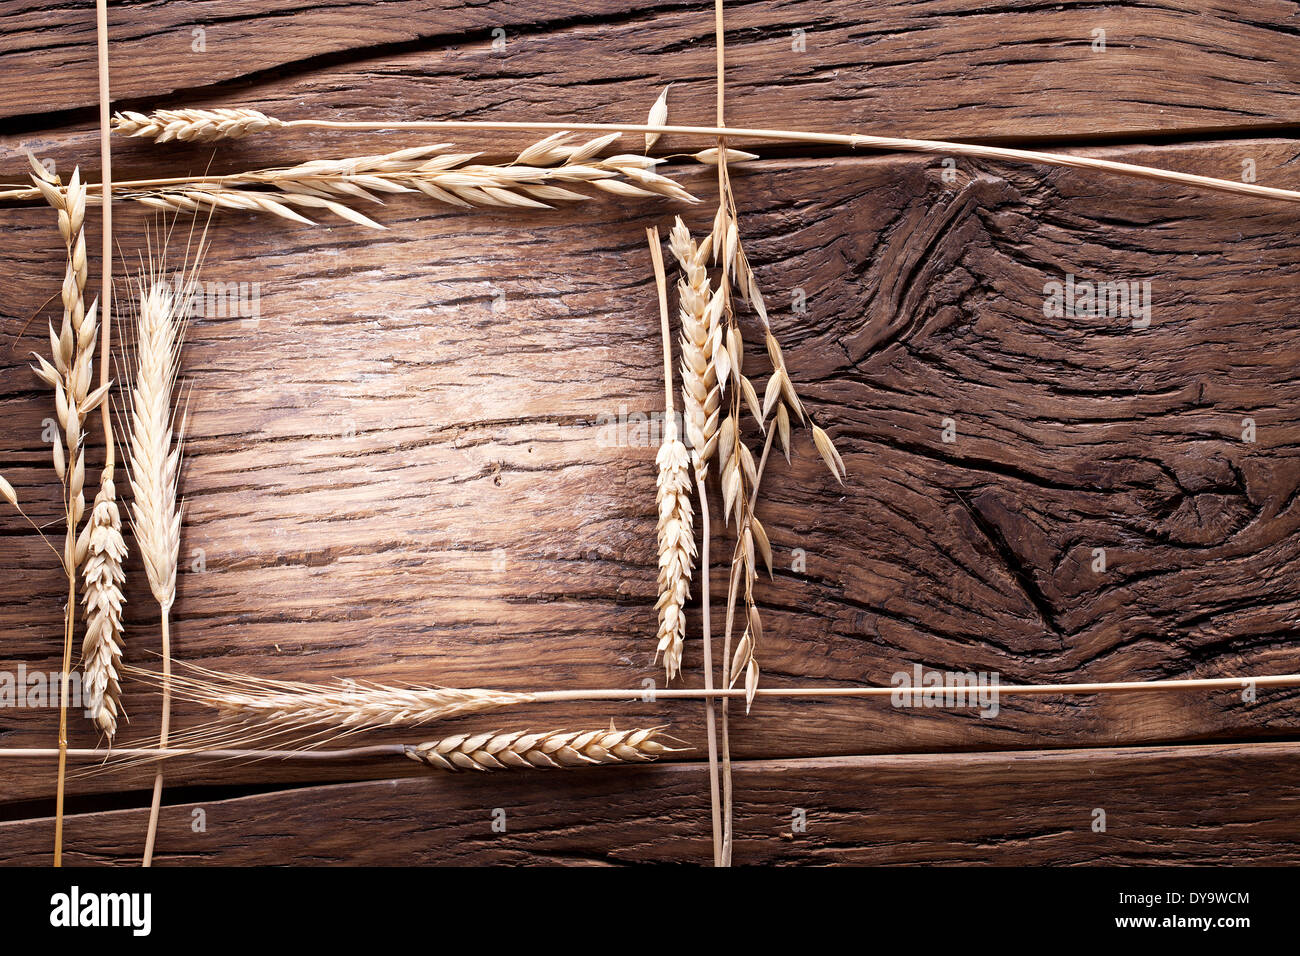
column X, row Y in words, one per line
column 388, row 478
column 412, row 467
column 884, row 67
column 1208, row 805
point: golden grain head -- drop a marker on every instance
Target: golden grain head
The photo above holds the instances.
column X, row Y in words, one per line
column 154, row 448
column 537, row 179
column 676, row 539
column 193, row 125
column 104, row 552
column 555, row 749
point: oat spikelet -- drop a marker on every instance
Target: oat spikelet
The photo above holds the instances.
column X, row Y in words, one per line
column 198, row 126
column 658, row 117
column 701, row 314
column 715, row 155
column 101, row 649
column 72, row 351
column 520, row 750
column 676, row 546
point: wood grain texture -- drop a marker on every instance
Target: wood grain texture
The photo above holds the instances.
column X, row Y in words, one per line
column 427, row 459
column 1206, row 805
column 405, row 469
column 901, row 68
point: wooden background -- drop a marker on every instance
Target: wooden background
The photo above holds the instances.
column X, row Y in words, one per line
column 401, row 471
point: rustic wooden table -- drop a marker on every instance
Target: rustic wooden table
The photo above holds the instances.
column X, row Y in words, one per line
column 402, row 469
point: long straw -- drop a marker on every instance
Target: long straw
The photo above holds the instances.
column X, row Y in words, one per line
column 710, row 720
column 854, row 140
column 886, row 143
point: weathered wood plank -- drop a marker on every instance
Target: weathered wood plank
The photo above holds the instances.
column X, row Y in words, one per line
column 898, row 67
column 404, row 470
column 1212, row 805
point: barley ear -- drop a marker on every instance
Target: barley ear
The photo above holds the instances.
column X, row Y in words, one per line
column 153, row 462
column 153, row 467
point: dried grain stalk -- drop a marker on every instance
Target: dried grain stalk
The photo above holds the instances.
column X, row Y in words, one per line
column 779, row 397
column 193, row 126
column 540, row 176
column 676, row 537
column 678, row 553
column 153, row 465
column 156, row 439
column 304, row 714
column 700, row 312
column 101, row 648
column 740, row 473
column 553, row 749
column 169, row 123
column 69, row 373
column 345, row 706
column 676, row 525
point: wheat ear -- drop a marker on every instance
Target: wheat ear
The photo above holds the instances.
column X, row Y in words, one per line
column 197, row 126
column 154, row 468
column 101, row 648
column 677, row 543
column 520, row 750
column 676, row 527
column 701, row 339
column 676, row 546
